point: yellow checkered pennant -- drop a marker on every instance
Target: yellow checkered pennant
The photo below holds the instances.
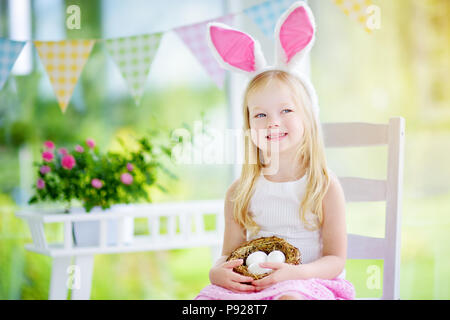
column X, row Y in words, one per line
column 356, row 10
column 64, row 61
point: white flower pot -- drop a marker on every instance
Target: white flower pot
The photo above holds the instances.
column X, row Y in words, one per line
column 87, row 233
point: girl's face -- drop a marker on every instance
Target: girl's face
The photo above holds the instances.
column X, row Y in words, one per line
column 275, row 120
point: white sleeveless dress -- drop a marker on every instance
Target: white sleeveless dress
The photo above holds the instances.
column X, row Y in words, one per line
column 275, row 207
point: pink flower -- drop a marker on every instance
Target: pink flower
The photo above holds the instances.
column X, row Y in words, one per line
column 68, row 162
column 129, row 166
column 90, row 143
column 62, row 151
column 79, row 148
column 40, row 184
column 47, row 156
column 126, row 178
column 96, row 183
column 45, row 169
column 49, row 145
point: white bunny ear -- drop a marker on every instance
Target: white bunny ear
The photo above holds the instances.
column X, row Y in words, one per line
column 294, row 34
column 234, row 49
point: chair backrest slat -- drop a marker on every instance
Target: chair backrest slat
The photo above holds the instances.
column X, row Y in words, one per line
column 354, row 134
column 364, row 247
column 362, row 190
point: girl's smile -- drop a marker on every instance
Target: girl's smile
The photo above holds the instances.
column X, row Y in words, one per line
column 276, row 137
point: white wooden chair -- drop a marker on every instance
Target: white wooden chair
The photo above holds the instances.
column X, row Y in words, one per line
column 389, row 190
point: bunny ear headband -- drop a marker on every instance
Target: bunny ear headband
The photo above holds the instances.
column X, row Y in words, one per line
column 294, row 34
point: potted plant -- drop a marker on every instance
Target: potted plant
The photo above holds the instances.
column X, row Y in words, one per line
column 98, row 180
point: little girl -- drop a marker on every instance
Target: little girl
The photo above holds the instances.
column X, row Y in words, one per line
column 288, row 191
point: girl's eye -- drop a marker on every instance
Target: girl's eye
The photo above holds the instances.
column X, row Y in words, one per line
column 289, row 110
column 259, row 114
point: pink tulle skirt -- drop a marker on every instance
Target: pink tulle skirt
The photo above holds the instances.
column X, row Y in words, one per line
column 310, row 289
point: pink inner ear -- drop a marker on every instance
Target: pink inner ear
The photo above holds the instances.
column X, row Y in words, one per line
column 296, row 32
column 236, row 48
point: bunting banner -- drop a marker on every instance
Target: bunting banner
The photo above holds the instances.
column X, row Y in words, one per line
column 356, row 10
column 9, row 52
column 266, row 14
column 64, row 61
column 194, row 37
column 134, row 56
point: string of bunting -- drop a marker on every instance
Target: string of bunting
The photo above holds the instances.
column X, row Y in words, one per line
column 64, row 60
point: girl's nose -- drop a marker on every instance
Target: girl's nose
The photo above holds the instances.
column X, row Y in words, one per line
column 273, row 121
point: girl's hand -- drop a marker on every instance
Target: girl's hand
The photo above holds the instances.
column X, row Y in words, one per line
column 224, row 276
column 282, row 272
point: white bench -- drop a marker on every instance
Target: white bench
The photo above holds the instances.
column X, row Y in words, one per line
column 185, row 229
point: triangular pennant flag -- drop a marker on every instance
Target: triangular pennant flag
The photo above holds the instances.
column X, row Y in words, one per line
column 9, row 52
column 134, row 56
column 356, row 10
column 194, row 36
column 64, row 61
column 266, row 14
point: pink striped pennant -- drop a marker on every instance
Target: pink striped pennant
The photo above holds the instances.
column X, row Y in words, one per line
column 194, row 36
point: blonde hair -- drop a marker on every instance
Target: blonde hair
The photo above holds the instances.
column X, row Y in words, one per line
column 310, row 154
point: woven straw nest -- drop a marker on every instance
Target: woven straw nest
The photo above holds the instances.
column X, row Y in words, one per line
column 266, row 244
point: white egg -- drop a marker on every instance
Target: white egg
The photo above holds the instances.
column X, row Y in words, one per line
column 254, row 268
column 276, row 256
column 256, row 257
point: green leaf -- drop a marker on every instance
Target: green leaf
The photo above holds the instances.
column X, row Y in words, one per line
column 33, row 199
column 167, row 171
column 160, row 187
